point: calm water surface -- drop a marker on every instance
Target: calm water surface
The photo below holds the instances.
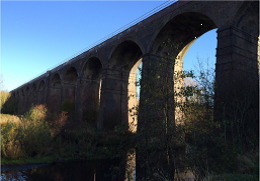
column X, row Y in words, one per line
column 101, row 170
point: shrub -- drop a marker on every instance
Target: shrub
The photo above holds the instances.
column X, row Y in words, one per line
column 10, row 145
column 34, row 134
column 4, row 97
column 9, row 104
column 59, row 123
column 68, row 106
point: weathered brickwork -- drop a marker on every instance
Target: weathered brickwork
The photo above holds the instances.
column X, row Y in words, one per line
column 101, row 79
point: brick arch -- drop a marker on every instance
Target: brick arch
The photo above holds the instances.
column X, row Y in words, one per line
column 21, row 101
column 17, row 94
column 27, row 90
column 32, row 99
column 136, row 41
column 71, row 74
column 89, row 90
column 33, row 87
column 119, row 72
column 125, row 55
column 40, row 92
column 27, row 104
column 41, row 86
column 181, row 30
column 21, row 92
column 92, row 67
column 69, row 85
column 54, row 93
column 55, row 80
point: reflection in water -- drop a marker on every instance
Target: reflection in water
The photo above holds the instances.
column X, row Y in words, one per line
column 102, row 170
column 73, row 171
column 130, row 165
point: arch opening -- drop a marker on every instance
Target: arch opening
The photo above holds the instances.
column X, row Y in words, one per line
column 26, row 99
column 32, row 97
column 70, row 82
column 54, row 94
column 180, row 32
column 90, row 87
column 121, row 75
column 40, row 93
column 41, row 86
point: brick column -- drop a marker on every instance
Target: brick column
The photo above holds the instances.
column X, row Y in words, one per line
column 156, row 93
column 88, row 103
column 69, row 91
column 77, row 100
column 237, row 78
column 40, row 97
column 47, row 83
column 154, row 73
column 54, row 99
column 113, row 101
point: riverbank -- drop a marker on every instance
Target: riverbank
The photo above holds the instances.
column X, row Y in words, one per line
column 40, row 137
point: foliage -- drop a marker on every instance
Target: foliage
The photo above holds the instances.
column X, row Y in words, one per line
column 160, row 131
column 68, row 106
column 121, row 129
column 9, row 104
column 176, row 126
column 39, row 134
column 4, row 96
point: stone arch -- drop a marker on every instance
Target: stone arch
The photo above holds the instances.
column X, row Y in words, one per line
column 89, row 95
column 114, row 104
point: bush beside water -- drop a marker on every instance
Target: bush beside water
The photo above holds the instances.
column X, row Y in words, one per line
column 40, row 135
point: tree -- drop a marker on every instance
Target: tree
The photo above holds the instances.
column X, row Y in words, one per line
column 160, row 131
column 8, row 102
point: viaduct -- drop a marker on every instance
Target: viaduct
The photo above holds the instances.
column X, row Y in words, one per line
column 100, row 80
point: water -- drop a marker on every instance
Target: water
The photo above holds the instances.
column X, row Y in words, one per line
column 101, row 170
column 121, row 169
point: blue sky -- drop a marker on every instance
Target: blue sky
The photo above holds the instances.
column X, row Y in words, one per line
column 37, row 35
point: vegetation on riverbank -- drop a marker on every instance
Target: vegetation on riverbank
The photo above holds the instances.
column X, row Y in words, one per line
column 39, row 137
column 211, row 152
